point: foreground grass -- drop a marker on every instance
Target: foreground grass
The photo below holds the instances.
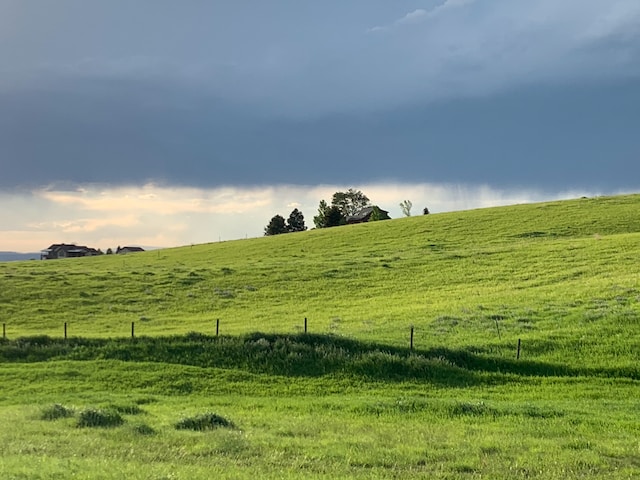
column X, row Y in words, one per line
column 348, row 399
column 311, row 406
column 323, row 427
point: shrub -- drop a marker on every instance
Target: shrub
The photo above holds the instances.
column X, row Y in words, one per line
column 143, row 429
column 206, row 421
column 276, row 226
column 55, row 412
column 93, row 417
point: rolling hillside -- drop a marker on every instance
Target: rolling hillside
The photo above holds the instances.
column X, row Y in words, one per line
column 459, row 277
column 348, row 399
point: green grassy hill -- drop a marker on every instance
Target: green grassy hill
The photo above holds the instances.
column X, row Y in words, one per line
column 561, row 270
column 342, row 401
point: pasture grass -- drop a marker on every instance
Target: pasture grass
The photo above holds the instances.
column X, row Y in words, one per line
column 349, row 398
column 319, row 427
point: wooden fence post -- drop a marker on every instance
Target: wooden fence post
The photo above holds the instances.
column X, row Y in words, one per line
column 65, row 330
column 518, row 354
column 498, row 328
column 305, row 324
column 133, row 331
column 217, row 326
column 411, row 340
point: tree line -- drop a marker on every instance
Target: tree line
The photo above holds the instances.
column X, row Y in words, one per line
column 344, row 207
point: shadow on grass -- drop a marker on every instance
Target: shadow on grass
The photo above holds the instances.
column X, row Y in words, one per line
column 309, row 355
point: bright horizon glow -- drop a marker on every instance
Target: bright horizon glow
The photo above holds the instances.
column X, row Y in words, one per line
column 157, row 216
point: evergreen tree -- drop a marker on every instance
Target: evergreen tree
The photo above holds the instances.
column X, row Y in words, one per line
column 334, row 217
column 276, row 226
column 320, row 220
column 295, row 223
column 328, row 216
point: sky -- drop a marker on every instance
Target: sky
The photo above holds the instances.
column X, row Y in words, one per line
column 162, row 123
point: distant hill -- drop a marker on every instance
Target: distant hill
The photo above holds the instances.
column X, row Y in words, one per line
column 13, row 256
column 532, row 268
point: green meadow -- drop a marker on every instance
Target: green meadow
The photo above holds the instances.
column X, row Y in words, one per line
column 347, row 398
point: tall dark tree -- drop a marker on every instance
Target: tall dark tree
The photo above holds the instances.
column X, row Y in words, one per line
column 334, row 217
column 295, row 223
column 320, row 220
column 276, row 226
column 328, row 216
column 350, row 202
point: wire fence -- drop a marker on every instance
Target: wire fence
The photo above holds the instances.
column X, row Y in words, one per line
column 411, row 334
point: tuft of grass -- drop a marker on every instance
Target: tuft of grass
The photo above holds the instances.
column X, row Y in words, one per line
column 143, row 429
column 56, row 411
column 127, row 409
column 474, row 409
column 205, row 421
column 533, row 411
column 94, row 417
column 400, row 406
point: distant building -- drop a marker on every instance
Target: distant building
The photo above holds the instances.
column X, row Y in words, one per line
column 124, row 250
column 64, row 250
column 364, row 215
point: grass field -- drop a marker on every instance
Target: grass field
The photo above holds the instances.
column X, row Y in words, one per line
column 348, row 399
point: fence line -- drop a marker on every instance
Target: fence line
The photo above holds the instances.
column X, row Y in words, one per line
column 305, row 327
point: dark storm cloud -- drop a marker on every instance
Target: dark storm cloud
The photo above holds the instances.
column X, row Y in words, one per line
column 127, row 132
column 508, row 92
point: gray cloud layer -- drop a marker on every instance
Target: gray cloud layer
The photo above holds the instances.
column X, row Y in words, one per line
column 507, row 92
